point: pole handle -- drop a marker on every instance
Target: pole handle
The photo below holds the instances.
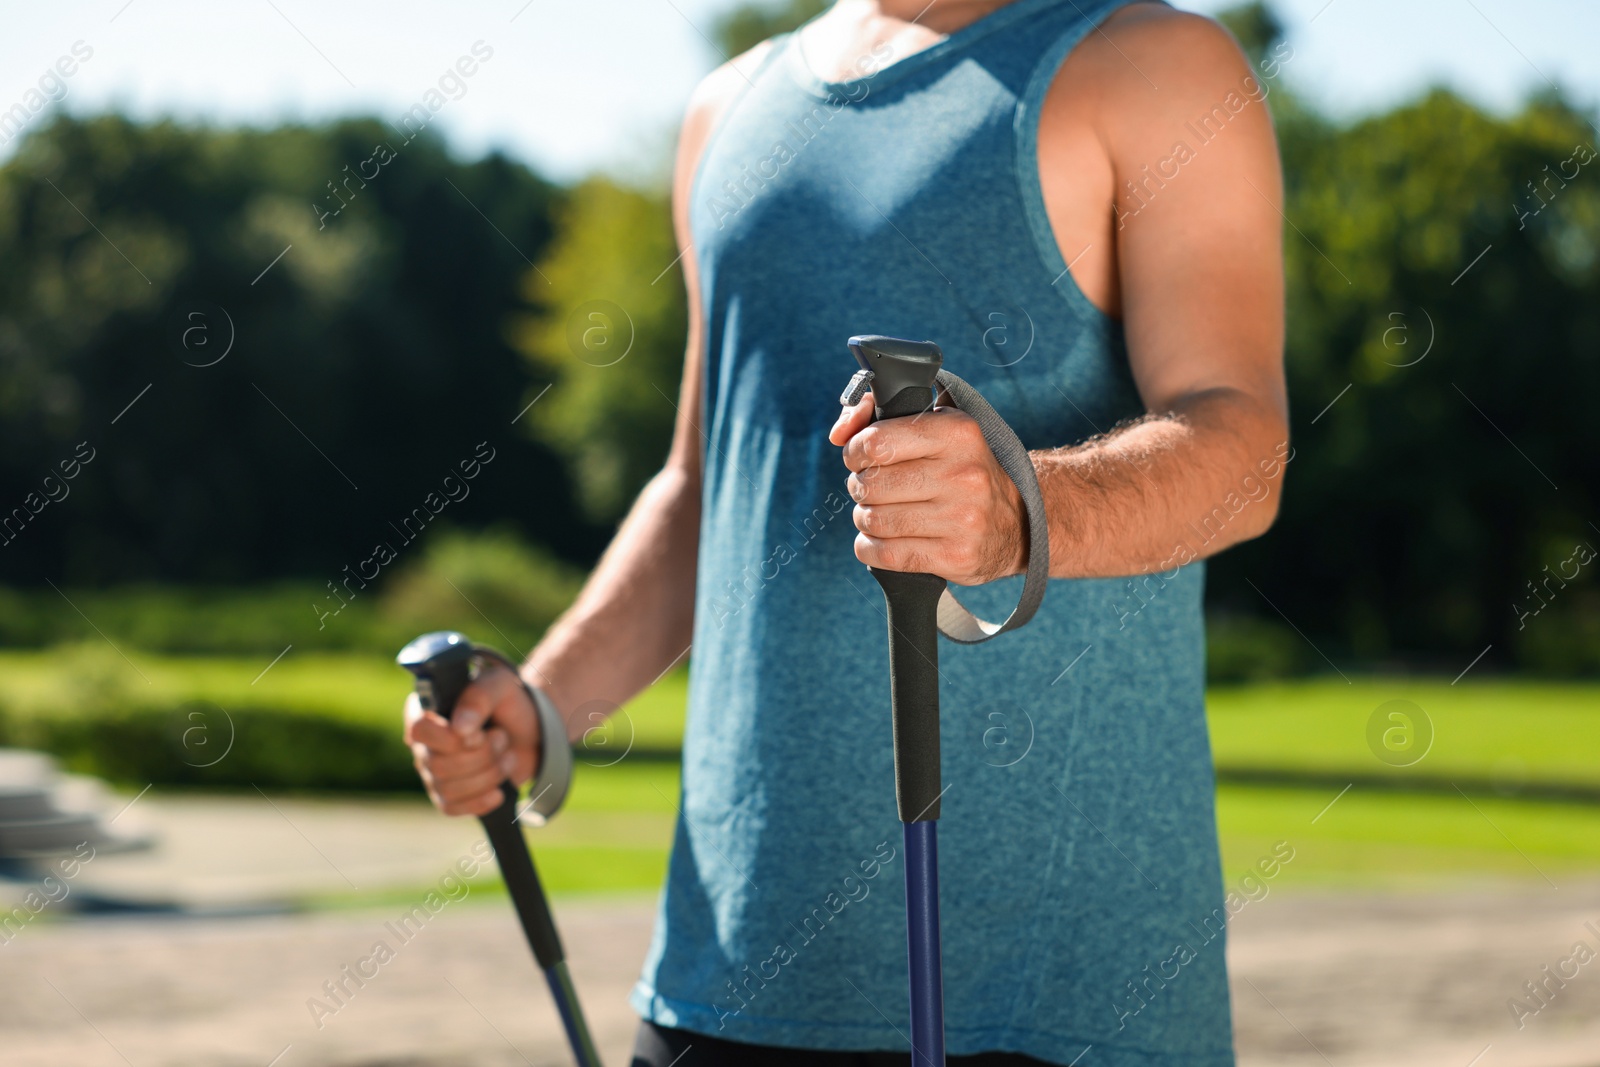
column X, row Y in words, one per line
column 903, row 385
column 442, row 665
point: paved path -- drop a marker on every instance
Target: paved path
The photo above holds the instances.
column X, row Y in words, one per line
column 1423, row 980
column 1350, row 980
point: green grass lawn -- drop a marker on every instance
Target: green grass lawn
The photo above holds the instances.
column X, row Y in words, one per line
column 614, row 833
column 1495, row 730
column 612, row 837
column 1498, row 731
column 1398, row 840
column 1364, row 839
column 1506, row 731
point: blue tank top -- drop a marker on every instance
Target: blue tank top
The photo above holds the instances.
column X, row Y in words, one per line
column 1081, row 886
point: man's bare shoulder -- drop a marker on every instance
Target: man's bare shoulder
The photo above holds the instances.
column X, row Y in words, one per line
column 1150, row 61
column 1153, row 81
column 1180, row 44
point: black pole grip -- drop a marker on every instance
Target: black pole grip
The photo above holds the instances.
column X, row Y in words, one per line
column 913, row 601
column 903, row 385
column 442, row 664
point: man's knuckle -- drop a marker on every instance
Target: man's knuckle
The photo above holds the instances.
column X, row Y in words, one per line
column 878, row 449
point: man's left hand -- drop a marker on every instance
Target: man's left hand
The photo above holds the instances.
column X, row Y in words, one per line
column 930, row 497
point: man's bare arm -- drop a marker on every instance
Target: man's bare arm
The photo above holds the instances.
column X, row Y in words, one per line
column 1193, row 261
column 1198, row 254
column 634, row 616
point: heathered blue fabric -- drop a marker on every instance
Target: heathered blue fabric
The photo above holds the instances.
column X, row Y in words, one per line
column 1078, row 852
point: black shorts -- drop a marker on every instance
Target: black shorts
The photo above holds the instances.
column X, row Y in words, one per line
column 658, row 1046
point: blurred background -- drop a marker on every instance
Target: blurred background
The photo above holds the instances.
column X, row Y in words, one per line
column 286, row 377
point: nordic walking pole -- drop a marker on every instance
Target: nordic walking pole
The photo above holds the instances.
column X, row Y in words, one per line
column 902, row 385
column 905, row 377
column 442, row 663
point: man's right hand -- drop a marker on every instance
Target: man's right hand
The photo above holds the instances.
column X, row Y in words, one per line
column 493, row 735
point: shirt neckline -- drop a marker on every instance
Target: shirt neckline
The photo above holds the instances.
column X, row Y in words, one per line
column 803, row 75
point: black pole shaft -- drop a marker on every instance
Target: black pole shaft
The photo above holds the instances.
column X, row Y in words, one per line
column 522, row 879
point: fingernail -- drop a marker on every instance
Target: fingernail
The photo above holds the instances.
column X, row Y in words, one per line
column 508, row 764
column 498, row 743
column 467, row 720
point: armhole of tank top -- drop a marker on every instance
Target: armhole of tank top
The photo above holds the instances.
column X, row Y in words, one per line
column 1031, row 189
column 779, row 43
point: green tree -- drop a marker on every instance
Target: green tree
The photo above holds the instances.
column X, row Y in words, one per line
column 1425, row 499
column 1255, row 26
column 748, row 25
column 609, row 331
column 366, row 316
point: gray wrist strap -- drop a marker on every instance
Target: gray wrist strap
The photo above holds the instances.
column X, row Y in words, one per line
column 955, row 621
column 553, row 777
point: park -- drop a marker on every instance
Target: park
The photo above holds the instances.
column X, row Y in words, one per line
column 274, row 403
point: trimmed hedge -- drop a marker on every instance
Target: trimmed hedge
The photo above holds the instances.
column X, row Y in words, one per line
column 457, row 582
column 199, row 744
column 196, row 743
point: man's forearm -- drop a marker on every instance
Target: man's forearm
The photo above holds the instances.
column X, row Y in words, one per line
column 1165, row 490
column 635, row 614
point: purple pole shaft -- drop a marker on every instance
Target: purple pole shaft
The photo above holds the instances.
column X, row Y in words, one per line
column 922, row 943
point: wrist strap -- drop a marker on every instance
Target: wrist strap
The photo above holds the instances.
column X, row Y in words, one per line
column 955, row 621
column 553, row 777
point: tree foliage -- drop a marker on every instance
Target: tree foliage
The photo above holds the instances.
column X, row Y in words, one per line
column 1444, row 318
column 747, row 25
column 1451, row 322
column 367, row 358
column 610, row 332
column 1255, row 26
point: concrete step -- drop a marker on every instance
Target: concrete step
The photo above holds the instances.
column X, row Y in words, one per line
column 44, row 813
column 47, row 834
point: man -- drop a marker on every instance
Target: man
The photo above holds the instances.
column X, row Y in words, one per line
column 1077, row 199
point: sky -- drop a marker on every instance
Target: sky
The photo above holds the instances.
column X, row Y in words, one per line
column 571, row 86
